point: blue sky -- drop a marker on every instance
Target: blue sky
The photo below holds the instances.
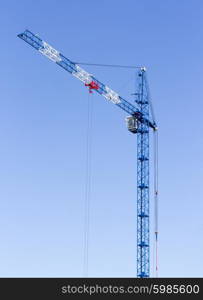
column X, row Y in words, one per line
column 43, row 120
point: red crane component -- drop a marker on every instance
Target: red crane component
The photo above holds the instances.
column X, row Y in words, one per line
column 92, row 86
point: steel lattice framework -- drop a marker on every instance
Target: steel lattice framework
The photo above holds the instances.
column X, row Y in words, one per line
column 142, row 181
column 139, row 122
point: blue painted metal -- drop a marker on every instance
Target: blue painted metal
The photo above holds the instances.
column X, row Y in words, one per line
column 143, row 237
column 142, row 117
column 71, row 67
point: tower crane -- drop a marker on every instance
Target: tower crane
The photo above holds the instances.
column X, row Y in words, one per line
column 140, row 121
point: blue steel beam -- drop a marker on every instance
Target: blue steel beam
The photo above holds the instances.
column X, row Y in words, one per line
column 94, row 84
column 143, row 234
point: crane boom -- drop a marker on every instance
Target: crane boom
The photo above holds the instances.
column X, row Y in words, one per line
column 90, row 81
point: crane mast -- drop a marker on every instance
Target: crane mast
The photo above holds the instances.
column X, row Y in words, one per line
column 143, row 249
column 139, row 122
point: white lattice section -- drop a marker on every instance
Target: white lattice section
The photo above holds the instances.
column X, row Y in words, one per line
column 82, row 75
column 111, row 95
column 50, row 52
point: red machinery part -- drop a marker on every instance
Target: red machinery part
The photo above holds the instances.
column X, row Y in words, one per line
column 92, row 86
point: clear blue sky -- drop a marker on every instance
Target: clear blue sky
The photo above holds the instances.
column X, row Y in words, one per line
column 43, row 118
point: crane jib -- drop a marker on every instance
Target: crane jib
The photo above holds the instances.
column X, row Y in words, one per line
column 89, row 81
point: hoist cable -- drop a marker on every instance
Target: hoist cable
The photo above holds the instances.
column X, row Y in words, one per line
column 87, row 186
column 150, row 103
column 156, row 198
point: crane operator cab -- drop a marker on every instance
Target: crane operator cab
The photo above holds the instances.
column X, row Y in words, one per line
column 132, row 124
